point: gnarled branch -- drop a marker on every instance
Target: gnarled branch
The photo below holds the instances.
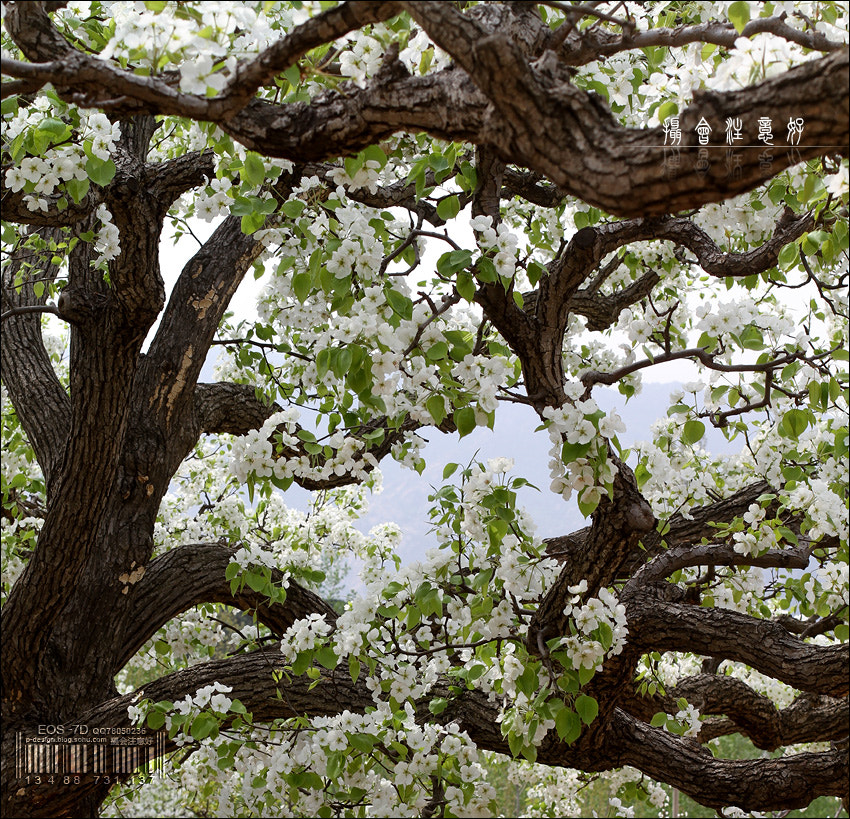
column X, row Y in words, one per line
column 656, row 625
column 193, row 574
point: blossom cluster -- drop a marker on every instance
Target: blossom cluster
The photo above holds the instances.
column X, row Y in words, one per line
column 211, row 697
column 604, row 614
column 588, row 469
column 759, row 537
column 500, row 243
column 44, row 176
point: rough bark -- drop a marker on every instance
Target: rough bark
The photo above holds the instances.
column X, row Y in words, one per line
column 512, row 89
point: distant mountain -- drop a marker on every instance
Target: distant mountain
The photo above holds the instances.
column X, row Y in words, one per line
column 404, row 499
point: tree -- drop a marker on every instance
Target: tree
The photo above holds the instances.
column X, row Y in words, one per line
column 337, row 147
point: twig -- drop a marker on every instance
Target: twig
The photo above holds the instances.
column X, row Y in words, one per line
column 32, row 308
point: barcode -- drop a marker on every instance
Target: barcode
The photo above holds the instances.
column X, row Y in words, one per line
column 104, row 757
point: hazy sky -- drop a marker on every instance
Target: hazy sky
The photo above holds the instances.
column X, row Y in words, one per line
column 404, row 499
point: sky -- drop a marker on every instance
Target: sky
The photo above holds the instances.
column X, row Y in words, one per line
column 404, row 499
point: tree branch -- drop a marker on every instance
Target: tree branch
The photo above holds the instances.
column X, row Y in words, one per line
column 530, row 99
column 715, row 554
column 618, row 525
column 810, row 718
column 753, row 784
column 717, row 263
column 230, row 408
column 582, row 47
column 16, row 208
column 682, row 531
column 194, row 573
column 40, row 400
column 656, row 625
column 502, row 101
column 235, row 409
column 33, row 308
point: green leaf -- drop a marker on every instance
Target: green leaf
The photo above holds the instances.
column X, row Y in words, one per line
column 306, row 779
column 401, row 305
column 667, row 110
column 100, row 171
column 437, row 352
column 252, row 222
column 464, row 420
column 450, row 263
column 571, row 452
column 323, row 362
column 9, row 106
column 55, row 127
column 587, row 708
column 475, row 672
column 436, row 406
column 659, row 719
column 814, row 393
column 77, row 188
column 293, row 75
column 302, row 284
column 485, row 270
column 253, row 171
column 534, row 272
column 155, row 720
column 739, row 15
column 449, row 470
column 203, row 725
column 293, row 208
column 466, row 286
column 751, row 338
column 353, row 667
column 341, row 358
column 794, row 422
column 256, row 581
column 242, row 206
column 588, row 508
column 336, row 763
column 375, row 153
column 528, row 681
column 437, row 705
column 302, row 662
column 327, row 657
column 448, row 208
column 568, row 725
column 515, row 743
column 363, row 742
column 693, row 431
column 788, row 256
